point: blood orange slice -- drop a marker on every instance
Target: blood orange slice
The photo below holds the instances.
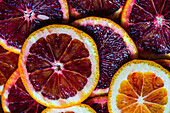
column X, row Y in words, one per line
column 82, row 108
column 103, row 8
column 140, row 86
column 148, row 23
column 59, row 65
column 18, row 18
column 8, row 64
column 164, row 62
column 99, row 104
column 114, row 45
column 15, row 99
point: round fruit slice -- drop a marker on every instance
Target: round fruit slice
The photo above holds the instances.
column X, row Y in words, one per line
column 8, row 64
column 114, row 45
column 15, row 99
column 59, row 65
column 148, row 23
column 164, row 62
column 99, row 104
column 82, row 108
column 18, row 18
column 140, row 86
column 103, row 8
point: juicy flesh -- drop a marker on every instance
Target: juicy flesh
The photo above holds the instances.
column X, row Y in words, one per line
column 142, row 92
column 113, row 52
column 149, row 25
column 18, row 18
column 58, row 66
column 96, row 7
column 8, row 64
column 20, row 101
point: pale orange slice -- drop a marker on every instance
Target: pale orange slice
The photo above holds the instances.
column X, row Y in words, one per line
column 82, row 108
column 140, row 86
column 59, row 65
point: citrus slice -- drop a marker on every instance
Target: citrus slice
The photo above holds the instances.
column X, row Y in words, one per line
column 99, row 104
column 114, row 45
column 81, row 108
column 140, row 86
column 164, row 62
column 8, row 64
column 15, row 99
column 1, row 110
column 148, row 23
column 59, row 65
column 18, row 18
column 103, row 8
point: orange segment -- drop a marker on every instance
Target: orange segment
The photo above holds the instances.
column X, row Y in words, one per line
column 151, row 82
column 123, row 101
column 129, row 109
column 155, row 108
column 59, row 66
column 126, row 88
column 145, row 109
column 136, row 81
column 158, row 96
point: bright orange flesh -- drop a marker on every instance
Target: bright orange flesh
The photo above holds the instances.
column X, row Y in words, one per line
column 142, row 92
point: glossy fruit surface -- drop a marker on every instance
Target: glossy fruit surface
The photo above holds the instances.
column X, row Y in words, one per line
column 140, row 86
column 19, row 18
column 15, row 99
column 59, row 65
column 114, row 45
column 148, row 24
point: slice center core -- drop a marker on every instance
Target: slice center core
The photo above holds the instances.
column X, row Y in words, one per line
column 159, row 21
column 140, row 100
column 29, row 14
column 58, row 66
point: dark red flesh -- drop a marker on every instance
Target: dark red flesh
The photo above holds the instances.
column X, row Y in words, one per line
column 59, row 66
column 15, row 27
column 8, row 64
column 144, row 28
column 99, row 104
column 112, row 52
column 20, row 101
column 96, row 7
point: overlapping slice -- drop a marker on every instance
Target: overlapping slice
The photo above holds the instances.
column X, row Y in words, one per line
column 164, row 62
column 59, row 65
column 15, row 99
column 8, row 64
column 114, row 45
column 148, row 23
column 81, row 108
column 99, row 104
column 19, row 18
column 103, row 8
column 140, row 86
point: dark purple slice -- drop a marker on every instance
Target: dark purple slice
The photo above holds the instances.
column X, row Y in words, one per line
column 148, row 25
column 19, row 18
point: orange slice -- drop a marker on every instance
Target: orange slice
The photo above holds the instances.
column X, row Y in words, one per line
column 19, row 18
column 114, row 45
column 140, row 86
column 82, row 108
column 59, row 65
column 147, row 22
column 8, row 64
column 15, row 99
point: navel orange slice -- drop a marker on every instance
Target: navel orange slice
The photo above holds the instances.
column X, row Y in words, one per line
column 59, row 65
column 15, row 99
column 114, row 45
column 19, row 18
column 82, row 108
column 148, row 24
column 8, row 64
column 140, row 86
